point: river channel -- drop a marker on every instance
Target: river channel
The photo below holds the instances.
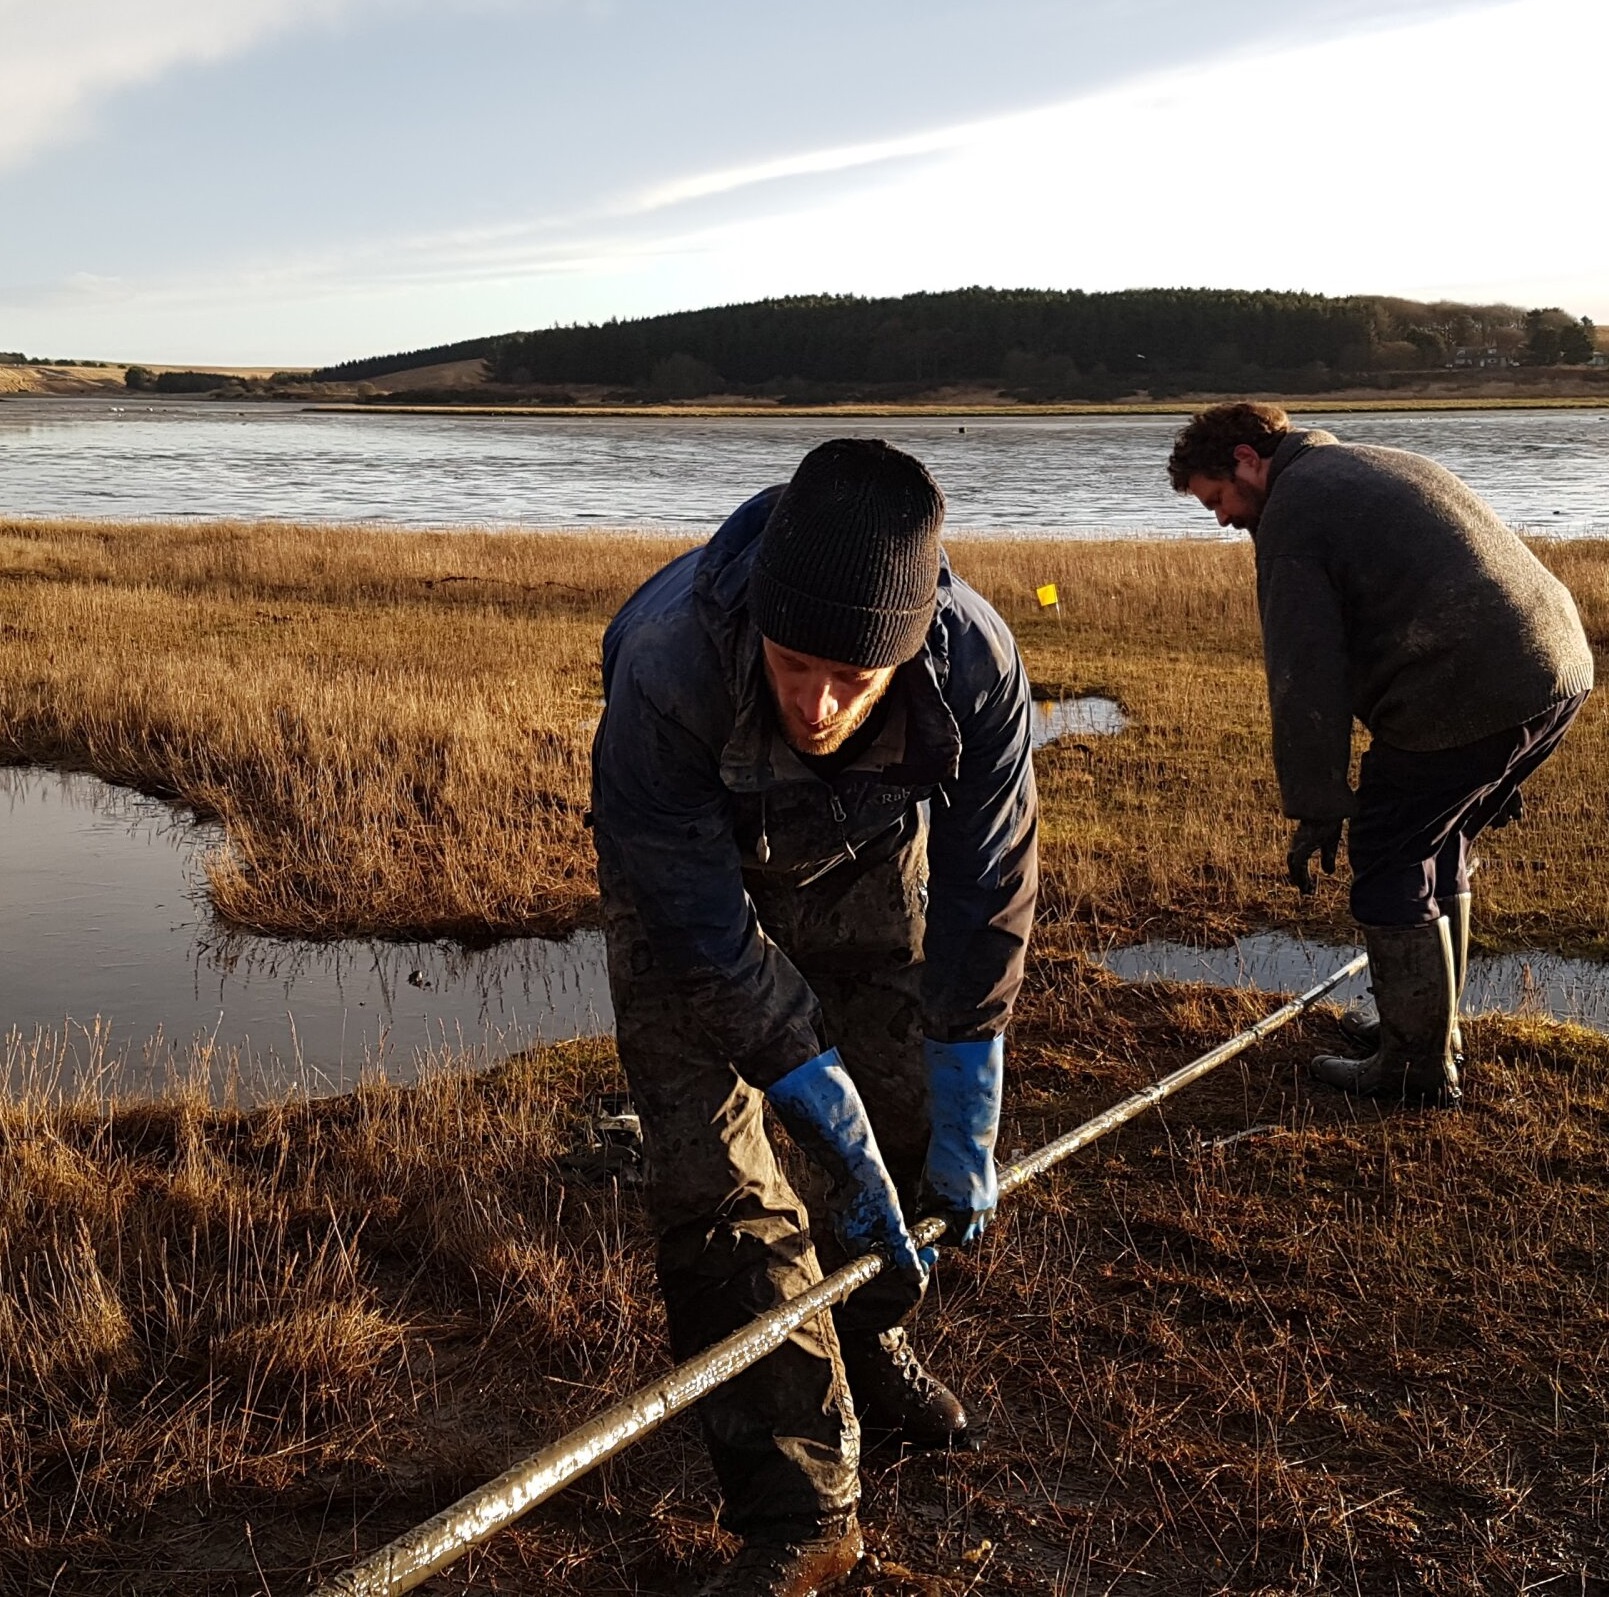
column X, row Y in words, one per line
column 113, row 971
column 1546, row 471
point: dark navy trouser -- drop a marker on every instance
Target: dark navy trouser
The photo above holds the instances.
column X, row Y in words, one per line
column 1418, row 812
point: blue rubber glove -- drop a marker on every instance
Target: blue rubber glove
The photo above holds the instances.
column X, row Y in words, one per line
column 820, row 1107
column 964, row 1080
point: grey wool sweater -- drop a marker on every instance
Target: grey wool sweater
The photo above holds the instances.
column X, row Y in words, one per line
column 1389, row 591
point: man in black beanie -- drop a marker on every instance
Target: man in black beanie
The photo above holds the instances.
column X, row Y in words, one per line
column 814, row 808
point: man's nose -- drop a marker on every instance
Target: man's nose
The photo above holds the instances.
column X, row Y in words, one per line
column 1224, row 518
column 817, row 703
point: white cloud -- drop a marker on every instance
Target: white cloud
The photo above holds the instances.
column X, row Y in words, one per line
column 811, row 163
column 60, row 56
column 1435, row 159
column 91, row 286
column 1439, row 158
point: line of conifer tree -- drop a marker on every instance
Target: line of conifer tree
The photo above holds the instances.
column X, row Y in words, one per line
column 353, row 371
column 1036, row 342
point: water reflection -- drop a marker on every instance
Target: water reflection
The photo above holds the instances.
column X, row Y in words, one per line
column 1272, row 962
column 106, row 943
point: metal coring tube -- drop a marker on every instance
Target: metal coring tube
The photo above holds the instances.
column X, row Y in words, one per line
column 429, row 1548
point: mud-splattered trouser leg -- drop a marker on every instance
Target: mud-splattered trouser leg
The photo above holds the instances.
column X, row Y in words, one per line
column 734, row 1237
column 734, row 1241
column 858, row 941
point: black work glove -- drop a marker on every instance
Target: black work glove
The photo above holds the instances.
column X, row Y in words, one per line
column 1312, row 837
column 1513, row 810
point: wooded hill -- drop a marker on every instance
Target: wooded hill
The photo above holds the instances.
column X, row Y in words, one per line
column 1035, row 343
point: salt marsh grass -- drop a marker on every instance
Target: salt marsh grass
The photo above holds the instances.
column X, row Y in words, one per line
column 1266, row 1341
column 393, row 726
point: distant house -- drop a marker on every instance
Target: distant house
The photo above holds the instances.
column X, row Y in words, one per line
column 1600, row 357
column 1480, row 355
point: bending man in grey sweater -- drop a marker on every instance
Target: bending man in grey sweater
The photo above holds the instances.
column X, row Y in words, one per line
column 1390, row 593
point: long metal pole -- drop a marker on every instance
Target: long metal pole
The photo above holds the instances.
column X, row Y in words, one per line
column 429, row 1548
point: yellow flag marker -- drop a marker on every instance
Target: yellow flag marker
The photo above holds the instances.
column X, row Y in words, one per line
column 1046, row 596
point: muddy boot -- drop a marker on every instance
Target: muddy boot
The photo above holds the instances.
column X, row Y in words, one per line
column 896, row 1399
column 789, row 1566
column 1414, row 989
column 1360, row 1022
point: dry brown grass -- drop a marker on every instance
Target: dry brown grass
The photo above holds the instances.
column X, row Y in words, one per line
column 1348, row 1353
column 1174, row 827
column 393, row 726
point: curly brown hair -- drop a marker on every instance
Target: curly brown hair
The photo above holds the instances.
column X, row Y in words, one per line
column 1206, row 444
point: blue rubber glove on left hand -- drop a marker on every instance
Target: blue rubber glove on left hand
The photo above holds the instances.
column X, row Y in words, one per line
column 822, row 1110
column 964, row 1081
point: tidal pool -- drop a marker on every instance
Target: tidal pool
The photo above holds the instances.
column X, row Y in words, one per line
column 112, row 967
column 110, row 962
column 1272, row 962
column 1089, row 715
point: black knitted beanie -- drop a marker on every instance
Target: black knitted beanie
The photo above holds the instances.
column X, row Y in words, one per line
column 848, row 563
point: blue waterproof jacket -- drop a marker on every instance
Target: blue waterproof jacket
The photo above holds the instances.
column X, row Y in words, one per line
column 694, row 789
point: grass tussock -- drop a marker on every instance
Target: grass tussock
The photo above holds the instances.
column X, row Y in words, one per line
column 230, row 1313
column 393, row 726
column 1265, row 1341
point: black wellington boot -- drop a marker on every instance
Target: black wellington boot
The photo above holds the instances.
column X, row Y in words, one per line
column 781, row 1565
column 1413, row 973
column 896, row 1399
column 1360, row 1022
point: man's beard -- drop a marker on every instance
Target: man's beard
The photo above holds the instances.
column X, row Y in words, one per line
column 1248, row 520
column 829, row 738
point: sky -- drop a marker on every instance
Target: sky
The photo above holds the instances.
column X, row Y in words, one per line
column 298, row 182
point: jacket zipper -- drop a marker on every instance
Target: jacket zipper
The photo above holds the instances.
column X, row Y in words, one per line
column 840, row 817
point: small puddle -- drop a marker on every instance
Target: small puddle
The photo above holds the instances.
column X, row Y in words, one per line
column 1089, row 715
column 1272, row 962
column 106, row 943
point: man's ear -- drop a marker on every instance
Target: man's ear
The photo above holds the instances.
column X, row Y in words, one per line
column 1250, row 467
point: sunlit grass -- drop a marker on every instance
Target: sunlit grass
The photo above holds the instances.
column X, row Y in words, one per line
column 393, row 726
column 1349, row 1352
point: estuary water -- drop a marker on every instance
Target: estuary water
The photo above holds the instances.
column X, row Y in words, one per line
column 112, row 966
column 1058, row 476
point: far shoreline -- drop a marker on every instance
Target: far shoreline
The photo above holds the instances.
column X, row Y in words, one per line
column 1167, row 407
column 980, row 410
